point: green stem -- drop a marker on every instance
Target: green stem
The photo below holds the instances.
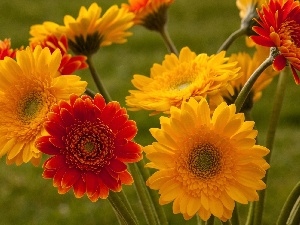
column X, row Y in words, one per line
column 277, row 105
column 143, row 194
column 235, row 216
column 167, row 39
column 90, row 93
column 290, row 208
column 97, row 79
column 199, row 220
column 242, row 96
column 249, row 220
column 210, row 221
column 232, row 38
column 124, row 213
column 228, row 222
column 153, row 194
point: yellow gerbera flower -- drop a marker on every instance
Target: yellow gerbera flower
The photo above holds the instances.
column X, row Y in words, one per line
column 248, row 65
column 89, row 31
column 180, row 77
column 29, row 87
column 40, row 32
column 206, row 163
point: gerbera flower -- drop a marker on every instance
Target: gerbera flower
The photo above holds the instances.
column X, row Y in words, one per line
column 90, row 142
column 248, row 65
column 29, row 87
column 206, row 164
column 6, row 50
column 46, row 35
column 279, row 27
column 149, row 13
column 179, row 78
column 89, row 31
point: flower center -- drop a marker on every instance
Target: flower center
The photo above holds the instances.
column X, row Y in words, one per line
column 89, row 145
column 30, row 106
column 290, row 32
column 205, row 161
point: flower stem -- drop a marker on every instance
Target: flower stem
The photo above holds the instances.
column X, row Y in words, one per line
column 242, row 96
column 143, row 194
column 122, row 208
column 210, row 221
column 249, row 220
column 232, row 38
column 235, row 216
column 167, row 39
column 279, row 95
column 228, row 222
column 290, row 212
column 97, row 79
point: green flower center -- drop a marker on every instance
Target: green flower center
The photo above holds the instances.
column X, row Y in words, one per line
column 89, row 146
column 205, row 161
column 30, row 106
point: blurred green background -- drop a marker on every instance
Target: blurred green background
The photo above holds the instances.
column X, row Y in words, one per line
column 26, row 198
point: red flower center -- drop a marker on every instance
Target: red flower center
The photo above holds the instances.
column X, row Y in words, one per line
column 89, row 146
column 290, row 32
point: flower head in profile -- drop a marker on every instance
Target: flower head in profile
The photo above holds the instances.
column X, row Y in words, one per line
column 248, row 65
column 180, row 77
column 6, row 50
column 205, row 164
column 90, row 143
column 29, row 87
column 46, row 35
column 279, row 27
column 151, row 14
column 90, row 30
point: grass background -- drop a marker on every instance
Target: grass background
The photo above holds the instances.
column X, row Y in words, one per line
column 26, row 198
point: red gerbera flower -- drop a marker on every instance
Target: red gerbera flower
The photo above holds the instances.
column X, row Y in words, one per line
column 279, row 26
column 90, row 142
column 69, row 63
column 6, row 50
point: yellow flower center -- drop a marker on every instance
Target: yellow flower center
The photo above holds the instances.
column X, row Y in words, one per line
column 204, row 161
column 30, row 106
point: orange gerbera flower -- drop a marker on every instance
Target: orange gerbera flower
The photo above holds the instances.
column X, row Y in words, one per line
column 90, row 142
column 279, row 26
column 149, row 13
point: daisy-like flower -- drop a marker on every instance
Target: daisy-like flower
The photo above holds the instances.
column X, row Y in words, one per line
column 248, row 65
column 29, row 87
column 279, row 27
column 149, row 13
column 90, row 143
column 205, row 164
column 90, row 30
column 6, row 50
column 46, row 35
column 180, row 77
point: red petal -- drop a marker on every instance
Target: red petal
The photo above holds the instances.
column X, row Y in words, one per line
column 109, row 112
column 47, row 174
column 58, row 142
column 66, row 117
column 104, row 191
column 62, row 190
column 99, row 101
column 79, row 109
column 109, row 181
column 54, row 117
column 58, row 177
column 54, row 129
column 92, row 183
column 79, row 188
column 70, row 177
column 296, row 77
column 279, row 63
column 117, row 166
column 54, row 162
column 44, row 145
column 128, row 131
column 118, row 122
column 126, row 178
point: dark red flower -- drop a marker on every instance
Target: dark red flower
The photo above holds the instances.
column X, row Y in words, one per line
column 90, row 143
column 279, row 26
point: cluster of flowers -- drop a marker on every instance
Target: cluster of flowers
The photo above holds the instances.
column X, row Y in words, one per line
column 205, row 152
